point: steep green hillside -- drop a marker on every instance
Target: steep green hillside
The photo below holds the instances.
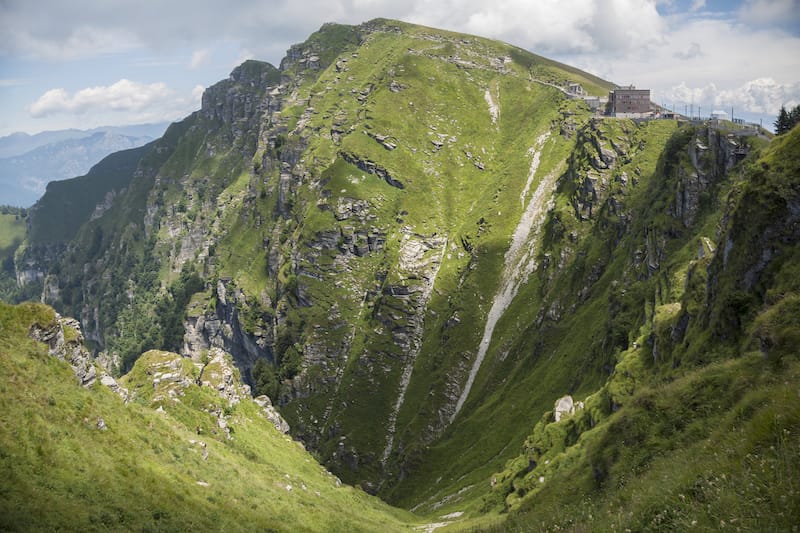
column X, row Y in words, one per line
column 176, row 457
column 12, row 233
column 699, row 423
column 340, row 210
column 70, row 203
column 416, row 243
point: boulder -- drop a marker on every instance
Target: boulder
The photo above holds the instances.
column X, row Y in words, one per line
column 271, row 414
column 566, row 406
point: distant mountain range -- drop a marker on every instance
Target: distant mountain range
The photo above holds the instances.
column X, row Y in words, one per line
column 29, row 162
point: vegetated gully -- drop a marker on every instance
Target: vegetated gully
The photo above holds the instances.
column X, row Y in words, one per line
column 520, row 258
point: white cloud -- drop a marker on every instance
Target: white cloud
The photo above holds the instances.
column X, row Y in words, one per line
column 197, row 94
column 37, row 185
column 244, row 55
column 74, row 42
column 697, row 5
column 770, row 12
column 199, row 58
column 694, row 50
column 762, row 95
column 611, row 26
column 720, row 61
column 124, row 102
column 661, row 44
column 124, row 95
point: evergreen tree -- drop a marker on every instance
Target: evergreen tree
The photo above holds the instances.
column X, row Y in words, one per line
column 794, row 116
column 787, row 119
column 782, row 123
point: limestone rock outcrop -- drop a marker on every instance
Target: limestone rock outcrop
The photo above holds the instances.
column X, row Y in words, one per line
column 565, row 406
column 64, row 340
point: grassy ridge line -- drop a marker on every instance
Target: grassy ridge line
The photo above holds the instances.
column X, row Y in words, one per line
column 68, row 204
column 144, row 472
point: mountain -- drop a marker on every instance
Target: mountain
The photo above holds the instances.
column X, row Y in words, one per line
column 33, row 161
column 166, row 447
column 20, row 142
column 464, row 290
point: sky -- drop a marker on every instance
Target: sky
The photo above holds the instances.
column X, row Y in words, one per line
column 88, row 63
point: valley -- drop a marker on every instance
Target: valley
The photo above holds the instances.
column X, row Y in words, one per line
column 459, row 290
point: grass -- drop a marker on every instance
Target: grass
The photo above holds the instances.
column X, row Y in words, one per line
column 12, row 234
column 701, row 432
column 12, row 231
column 715, row 448
column 146, row 470
column 621, row 308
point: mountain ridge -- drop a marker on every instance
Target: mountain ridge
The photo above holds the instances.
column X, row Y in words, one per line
column 25, row 175
column 415, row 249
column 19, row 142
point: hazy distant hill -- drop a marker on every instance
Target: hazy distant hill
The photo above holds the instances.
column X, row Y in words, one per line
column 20, row 142
column 29, row 162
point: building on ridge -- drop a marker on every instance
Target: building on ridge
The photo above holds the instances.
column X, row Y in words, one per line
column 576, row 89
column 629, row 102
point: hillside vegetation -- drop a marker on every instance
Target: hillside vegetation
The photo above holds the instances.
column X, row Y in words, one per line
column 699, row 424
column 464, row 291
column 12, row 234
column 82, row 459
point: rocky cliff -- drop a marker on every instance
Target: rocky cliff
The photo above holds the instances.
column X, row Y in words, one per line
column 415, row 249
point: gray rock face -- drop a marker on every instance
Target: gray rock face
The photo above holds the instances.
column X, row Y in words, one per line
column 712, row 155
column 372, row 168
column 223, row 329
column 219, row 374
column 32, row 262
column 64, row 340
column 238, row 100
column 594, row 174
column 105, row 204
column 271, row 413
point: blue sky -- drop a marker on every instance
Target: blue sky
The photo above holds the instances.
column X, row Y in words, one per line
column 86, row 63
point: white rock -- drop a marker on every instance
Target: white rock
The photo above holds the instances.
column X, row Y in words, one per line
column 564, row 407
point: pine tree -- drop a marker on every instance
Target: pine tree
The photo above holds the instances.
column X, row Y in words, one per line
column 782, row 123
column 794, row 117
column 787, row 119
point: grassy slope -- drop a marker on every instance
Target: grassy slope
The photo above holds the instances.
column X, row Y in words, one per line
column 12, row 231
column 707, row 432
column 444, row 194
column 528, row 365
column 12, row 234
column 142, row 473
